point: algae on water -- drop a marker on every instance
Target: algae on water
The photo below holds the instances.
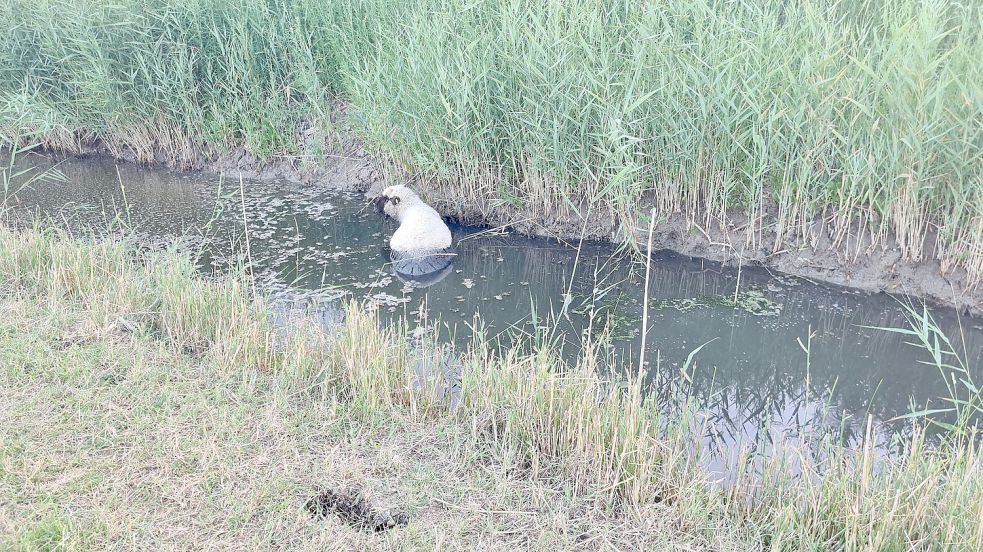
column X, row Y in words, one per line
column 751, row 300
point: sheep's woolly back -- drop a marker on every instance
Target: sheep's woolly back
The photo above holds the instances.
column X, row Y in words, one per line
column 421, row 229
column 420, row 226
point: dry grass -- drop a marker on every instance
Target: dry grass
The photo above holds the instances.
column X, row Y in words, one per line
column 116, row 442
column 147, row 408
column 118, row 436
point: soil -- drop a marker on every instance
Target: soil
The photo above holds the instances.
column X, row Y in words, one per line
column 877, row 268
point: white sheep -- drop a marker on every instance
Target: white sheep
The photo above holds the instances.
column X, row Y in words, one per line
column 422, row 243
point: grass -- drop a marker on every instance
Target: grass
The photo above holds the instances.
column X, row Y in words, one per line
column 145, row 407
column 842, row 125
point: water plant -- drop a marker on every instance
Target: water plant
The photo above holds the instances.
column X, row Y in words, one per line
column 965, row 398
column 15, row 177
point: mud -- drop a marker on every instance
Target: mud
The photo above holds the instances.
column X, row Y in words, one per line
column 348, row 164
column 860, row 265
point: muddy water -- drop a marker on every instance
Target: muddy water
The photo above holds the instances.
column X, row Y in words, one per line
column 317, row 247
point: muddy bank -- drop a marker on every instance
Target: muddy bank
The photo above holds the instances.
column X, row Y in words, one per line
column 875, row 269
column 349, row 165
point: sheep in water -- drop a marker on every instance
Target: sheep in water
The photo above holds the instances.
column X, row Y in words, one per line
column 421, row 247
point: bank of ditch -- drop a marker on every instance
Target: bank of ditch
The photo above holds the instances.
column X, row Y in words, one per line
column 837, row 141
column 146, row 406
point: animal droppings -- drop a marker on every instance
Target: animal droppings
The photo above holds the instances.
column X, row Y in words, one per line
column 355, row 511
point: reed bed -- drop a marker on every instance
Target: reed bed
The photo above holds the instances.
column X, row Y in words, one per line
column 207, row 347
column 842, row 125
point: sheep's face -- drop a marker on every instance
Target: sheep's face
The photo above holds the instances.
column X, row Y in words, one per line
column 394, row 199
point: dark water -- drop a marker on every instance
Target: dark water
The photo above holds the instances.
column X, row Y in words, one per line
column 319, row 247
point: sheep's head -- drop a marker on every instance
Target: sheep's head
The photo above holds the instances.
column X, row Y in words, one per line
column 394, row 199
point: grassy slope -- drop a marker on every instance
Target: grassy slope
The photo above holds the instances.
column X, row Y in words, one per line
column 144, row 407
column 116, row 437
column 867, row 115
column 118, row 442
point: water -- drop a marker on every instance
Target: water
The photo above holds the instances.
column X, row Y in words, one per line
column 318, row 247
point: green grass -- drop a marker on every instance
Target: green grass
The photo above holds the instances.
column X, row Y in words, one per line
column 858, row 121
column 146, row 407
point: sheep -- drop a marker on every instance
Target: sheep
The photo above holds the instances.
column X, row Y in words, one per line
column 421, row 246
